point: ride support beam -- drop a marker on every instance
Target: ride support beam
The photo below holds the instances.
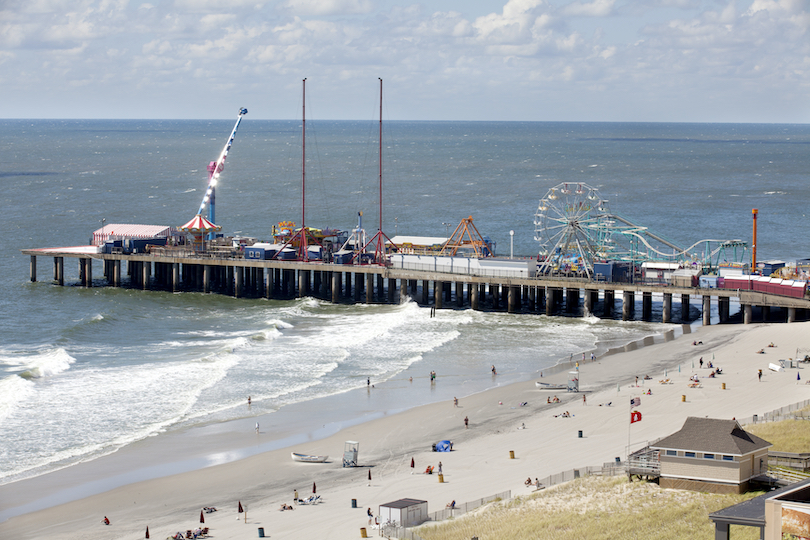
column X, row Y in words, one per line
column 240, row 282
column 391, row 291
column 646, row 306
column 336, row 286
column 707, row 310
column 512, row 299
column 666, row 315
column 175, row 277
column 628, row 307
column 685, row 308
column 609, row 305
column 723, row 308
column 146, row 272
column 748, row 313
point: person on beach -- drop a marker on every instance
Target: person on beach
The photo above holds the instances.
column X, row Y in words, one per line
column 584, row 400
column 455, row 402
column 295, row 497
column 105, row 521
column 257, row 427
column 636, row 380
column 370, row 516
column 701, row 361
column 591, row 357
column 440, row 467
column 368, row 381
column 466, row 422
column 760, row 375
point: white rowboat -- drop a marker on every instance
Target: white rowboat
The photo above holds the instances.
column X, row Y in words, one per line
column 547, row 386
column 306, row 458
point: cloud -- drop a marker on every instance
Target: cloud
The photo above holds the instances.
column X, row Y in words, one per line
column 443, row 61
column 597, row 8
column 328, row 7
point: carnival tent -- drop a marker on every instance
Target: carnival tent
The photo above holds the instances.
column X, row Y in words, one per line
column 120, row 231
column 199, row 227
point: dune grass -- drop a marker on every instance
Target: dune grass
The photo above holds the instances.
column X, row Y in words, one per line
column 785, row 435
column 595, row 508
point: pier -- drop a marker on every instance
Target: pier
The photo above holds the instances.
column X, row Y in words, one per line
column 173, row 269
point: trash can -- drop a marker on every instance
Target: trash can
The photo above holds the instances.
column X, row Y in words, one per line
column 683, row 398
column 579, row 434
column 363, row 532
column 261, row 532
column 441, row 478
column 354, row 503
column 511, row 454
column 724, row 386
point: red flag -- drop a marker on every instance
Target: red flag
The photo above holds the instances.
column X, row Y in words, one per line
column 635, row 416
column 202, row 518
column 240, row 507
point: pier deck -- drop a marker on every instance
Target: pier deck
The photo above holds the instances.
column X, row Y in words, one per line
column 182, row 269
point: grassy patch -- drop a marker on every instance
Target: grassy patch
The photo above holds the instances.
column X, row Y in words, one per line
column 786, row 435
column 595, row 508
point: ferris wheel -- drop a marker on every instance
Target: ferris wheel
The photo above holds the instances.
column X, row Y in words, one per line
column 573, row 226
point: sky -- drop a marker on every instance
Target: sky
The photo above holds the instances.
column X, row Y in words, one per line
column 537, row 60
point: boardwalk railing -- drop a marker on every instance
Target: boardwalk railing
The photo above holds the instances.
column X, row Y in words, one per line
column 462, row 509
column 789, row 412
column 608, row 469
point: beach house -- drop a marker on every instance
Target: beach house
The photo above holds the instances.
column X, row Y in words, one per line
column 711, row 455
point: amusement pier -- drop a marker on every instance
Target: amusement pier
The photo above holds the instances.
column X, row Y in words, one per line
column 460, row 272
column 588, row 254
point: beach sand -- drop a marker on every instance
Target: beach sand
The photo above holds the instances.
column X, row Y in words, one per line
column 478, row 467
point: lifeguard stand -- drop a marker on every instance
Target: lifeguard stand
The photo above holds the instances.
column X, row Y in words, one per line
column 350, row 450
column 573, row 381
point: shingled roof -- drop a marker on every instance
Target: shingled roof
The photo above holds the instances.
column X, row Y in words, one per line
column 714, row 436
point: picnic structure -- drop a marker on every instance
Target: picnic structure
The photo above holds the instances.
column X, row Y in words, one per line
column 711, row 455
column 404, row 512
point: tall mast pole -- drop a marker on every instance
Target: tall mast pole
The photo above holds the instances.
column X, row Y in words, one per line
column 304, row 154
column 381, row 163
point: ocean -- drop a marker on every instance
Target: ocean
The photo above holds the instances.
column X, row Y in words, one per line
column 87, row 372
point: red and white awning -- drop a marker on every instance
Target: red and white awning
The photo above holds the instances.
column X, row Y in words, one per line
column 118, row 231
column 199, row 224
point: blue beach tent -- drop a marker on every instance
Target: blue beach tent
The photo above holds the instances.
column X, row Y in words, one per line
column 442, row 446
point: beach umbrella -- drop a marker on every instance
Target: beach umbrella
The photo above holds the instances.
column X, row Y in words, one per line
column 147, row 532
column 369, row 475
column 313, row 488
column 413, row 464
column 202, row 517
column 240, row 507
column 798, row 377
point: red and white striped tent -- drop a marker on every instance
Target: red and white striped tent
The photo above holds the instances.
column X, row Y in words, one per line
column 120, row 231
column 199, row 227
column 199, row 224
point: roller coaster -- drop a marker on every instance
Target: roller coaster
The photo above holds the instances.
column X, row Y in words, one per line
column 575, row 228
